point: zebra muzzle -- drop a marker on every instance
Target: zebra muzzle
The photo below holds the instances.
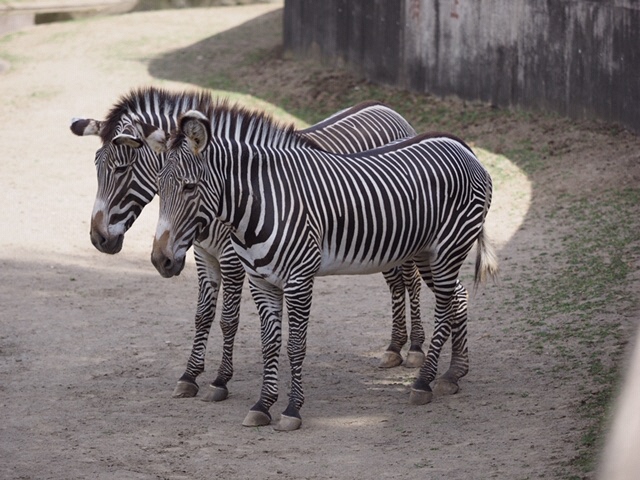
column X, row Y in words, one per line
column 111, row 244
column 166, row 265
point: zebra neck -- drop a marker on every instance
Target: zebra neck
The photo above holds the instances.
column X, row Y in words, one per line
column 235, row 125
column 153, row 106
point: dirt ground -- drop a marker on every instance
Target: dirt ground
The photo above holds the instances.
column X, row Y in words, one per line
column 92, row 345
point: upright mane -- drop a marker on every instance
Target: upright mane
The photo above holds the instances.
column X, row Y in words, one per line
column 155, row 106
column 236, row 122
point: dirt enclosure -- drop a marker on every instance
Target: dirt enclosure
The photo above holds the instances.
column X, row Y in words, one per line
column 91, row 345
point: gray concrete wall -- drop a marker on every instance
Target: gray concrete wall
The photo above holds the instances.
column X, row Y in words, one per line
column 580, row 58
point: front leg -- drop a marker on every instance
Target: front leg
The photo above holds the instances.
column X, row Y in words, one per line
column 268, row 300
column 232, row 280
column 208, row 270
column 298, row 295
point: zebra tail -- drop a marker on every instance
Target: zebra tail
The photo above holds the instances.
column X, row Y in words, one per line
column 486, row 258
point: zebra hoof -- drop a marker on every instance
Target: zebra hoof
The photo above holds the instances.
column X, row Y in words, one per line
column 288, row 424
column 215, row 394
column 420, row 397
column 445, row 387
column 185, row 390
column 390, row 359
column 256, row 419
column 414, row 359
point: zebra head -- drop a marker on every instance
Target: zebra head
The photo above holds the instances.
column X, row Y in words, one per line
column 127, row 165
column 185, row 209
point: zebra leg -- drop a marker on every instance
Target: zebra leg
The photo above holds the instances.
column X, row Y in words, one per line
column 444, row 289
column 208, row 270
column 232, row 281
column 447, row 384
column 421, row 391
column 411, row 280
column 298, row 296
column 268, row 300
column 392, row 358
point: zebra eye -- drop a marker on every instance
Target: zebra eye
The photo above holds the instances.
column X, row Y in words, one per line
column 120, row 168
column 189, row 187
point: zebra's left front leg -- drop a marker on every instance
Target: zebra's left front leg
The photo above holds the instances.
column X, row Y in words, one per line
column 268, row 300
column 447, row 384
column 298, row 295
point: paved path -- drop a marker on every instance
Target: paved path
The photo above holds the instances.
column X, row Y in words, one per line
column 15, row 15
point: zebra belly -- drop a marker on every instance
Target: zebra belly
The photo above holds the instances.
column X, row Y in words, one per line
column 331, row 265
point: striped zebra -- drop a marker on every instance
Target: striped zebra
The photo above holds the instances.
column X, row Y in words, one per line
column 297, row 211
column 127, row 169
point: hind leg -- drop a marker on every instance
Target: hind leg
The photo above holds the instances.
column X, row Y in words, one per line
column 448, row 383
column 392, row 358
column 411, row 279
column 441, row 276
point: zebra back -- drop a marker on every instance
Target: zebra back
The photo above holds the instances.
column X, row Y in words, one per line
column 362, row 127
column 369, row 210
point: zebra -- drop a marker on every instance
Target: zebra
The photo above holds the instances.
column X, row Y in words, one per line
column 297, row 211
column 127, row 167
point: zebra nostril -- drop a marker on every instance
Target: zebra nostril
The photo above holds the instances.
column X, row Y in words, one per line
column 97, row 238
column 168, row 264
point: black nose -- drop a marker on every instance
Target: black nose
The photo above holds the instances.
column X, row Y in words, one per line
column 104, row 244
column 98, row 239
column 168, row 265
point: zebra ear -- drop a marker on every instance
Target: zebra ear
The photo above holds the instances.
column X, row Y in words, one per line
column 155, row 137
column 85, row 126
column 197, row 129
column 127, row 139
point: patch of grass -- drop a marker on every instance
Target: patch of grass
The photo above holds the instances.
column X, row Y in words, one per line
column 575, row 300
column 528, row 157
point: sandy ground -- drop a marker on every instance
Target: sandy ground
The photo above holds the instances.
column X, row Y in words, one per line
column 92, row 345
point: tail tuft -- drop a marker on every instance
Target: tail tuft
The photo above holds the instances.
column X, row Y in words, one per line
column 486, row 261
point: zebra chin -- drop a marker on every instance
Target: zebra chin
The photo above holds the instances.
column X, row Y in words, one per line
column 167, row 267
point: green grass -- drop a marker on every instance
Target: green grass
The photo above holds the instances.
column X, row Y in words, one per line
column 573, row 301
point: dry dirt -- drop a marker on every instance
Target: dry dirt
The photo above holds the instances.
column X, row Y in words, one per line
column 91, row 345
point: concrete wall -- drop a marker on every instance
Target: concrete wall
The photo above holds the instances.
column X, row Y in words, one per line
column 580, row 58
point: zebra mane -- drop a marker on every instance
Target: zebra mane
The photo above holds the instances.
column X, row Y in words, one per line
column 152, row 105
column 235, row 122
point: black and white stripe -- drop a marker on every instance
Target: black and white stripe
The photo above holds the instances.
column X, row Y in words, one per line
column 127, row 168
column 297, row 211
